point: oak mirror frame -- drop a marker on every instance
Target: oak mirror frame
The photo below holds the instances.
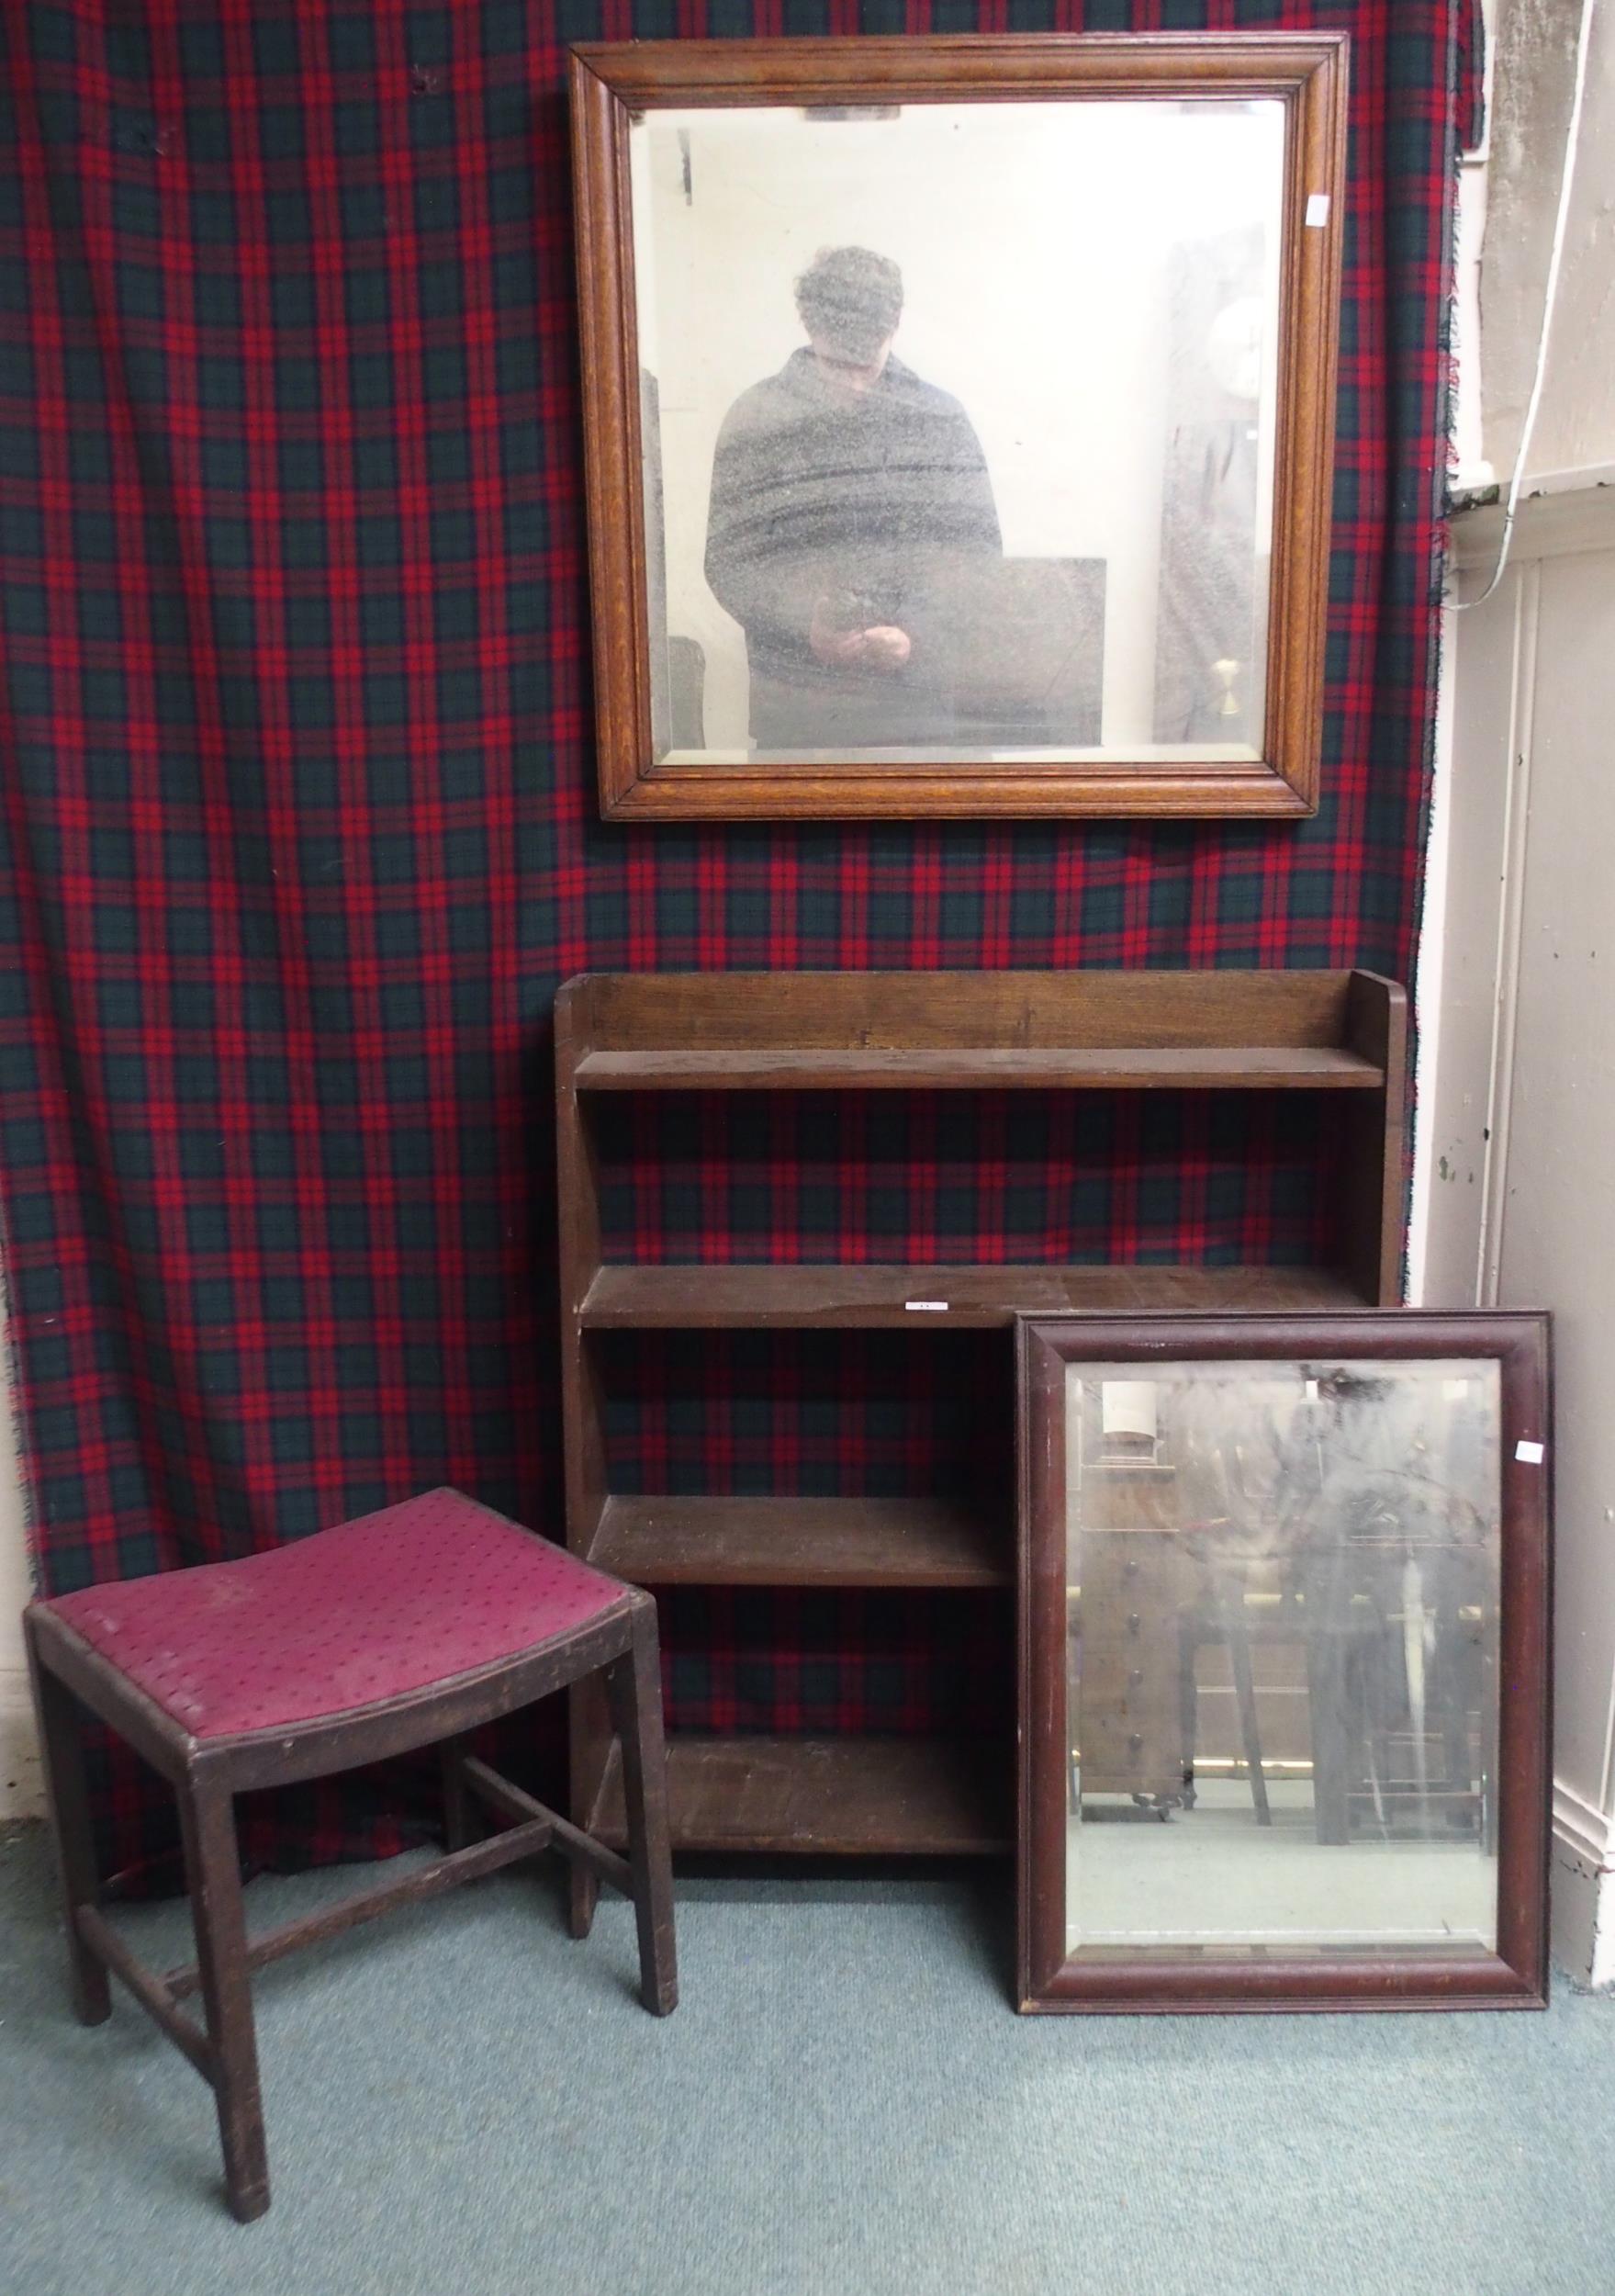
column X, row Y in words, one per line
column 1284, row 1628
column 958, row 416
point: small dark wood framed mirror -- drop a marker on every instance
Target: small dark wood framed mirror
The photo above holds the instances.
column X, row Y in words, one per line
column 1284, row 1661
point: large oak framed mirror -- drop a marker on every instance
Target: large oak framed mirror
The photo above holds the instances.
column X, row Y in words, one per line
column 1284, row 1661
column 958, row 416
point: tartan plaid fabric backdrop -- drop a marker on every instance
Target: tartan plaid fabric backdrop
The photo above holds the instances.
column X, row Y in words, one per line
column 299, row 791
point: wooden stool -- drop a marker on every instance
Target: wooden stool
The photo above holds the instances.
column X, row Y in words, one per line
column 402, row 1629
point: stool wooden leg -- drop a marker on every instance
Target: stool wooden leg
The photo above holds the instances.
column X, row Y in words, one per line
column 589, row 1728
column 635, row 1684
column 61, row 1722
column 458, row 1809
column 214, row 1873
column 583, row 1894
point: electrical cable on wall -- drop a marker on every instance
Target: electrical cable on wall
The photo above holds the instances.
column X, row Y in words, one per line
column 1561, row 220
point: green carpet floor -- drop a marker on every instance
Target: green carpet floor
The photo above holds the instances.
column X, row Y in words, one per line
column 461, row 2102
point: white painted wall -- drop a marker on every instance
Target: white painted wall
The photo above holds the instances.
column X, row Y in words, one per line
column 1514, row 1184
column 1520, row 1108
column 1534, row 55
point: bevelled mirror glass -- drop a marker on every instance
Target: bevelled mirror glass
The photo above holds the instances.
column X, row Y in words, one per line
column 957, row 429
column 1281, row 1657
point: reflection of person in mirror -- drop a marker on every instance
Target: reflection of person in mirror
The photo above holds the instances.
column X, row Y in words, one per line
column 846, row 494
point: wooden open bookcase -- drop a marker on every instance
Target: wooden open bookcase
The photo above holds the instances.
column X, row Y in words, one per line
column 1335, row 1033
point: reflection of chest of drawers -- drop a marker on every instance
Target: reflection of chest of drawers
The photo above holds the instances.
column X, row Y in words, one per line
column 1129, row 1732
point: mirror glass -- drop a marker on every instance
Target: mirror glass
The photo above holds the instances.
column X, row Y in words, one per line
column 1282, row 1681
column 958, row 428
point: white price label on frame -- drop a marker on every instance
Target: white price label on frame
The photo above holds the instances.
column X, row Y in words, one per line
column 1530, row 1454
column 1317, row 211
column 926, row 1307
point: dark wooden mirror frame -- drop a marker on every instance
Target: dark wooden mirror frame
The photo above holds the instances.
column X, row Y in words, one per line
column 1516, row 1976
column 613, row 83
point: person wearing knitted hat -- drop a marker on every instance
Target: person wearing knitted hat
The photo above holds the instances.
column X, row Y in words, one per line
column 847, row 496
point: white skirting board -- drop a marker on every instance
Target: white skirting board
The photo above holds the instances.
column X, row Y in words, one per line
column 1582, row 1890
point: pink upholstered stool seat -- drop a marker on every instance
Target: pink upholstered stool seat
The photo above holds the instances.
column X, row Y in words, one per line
column 401, row 1601
column 415, row 1626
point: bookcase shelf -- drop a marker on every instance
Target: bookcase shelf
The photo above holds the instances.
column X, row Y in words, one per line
column 1139, row 1067
column 893, row 1298
column 772, row 1541
column 829, row 1797
column 1343, row 1033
